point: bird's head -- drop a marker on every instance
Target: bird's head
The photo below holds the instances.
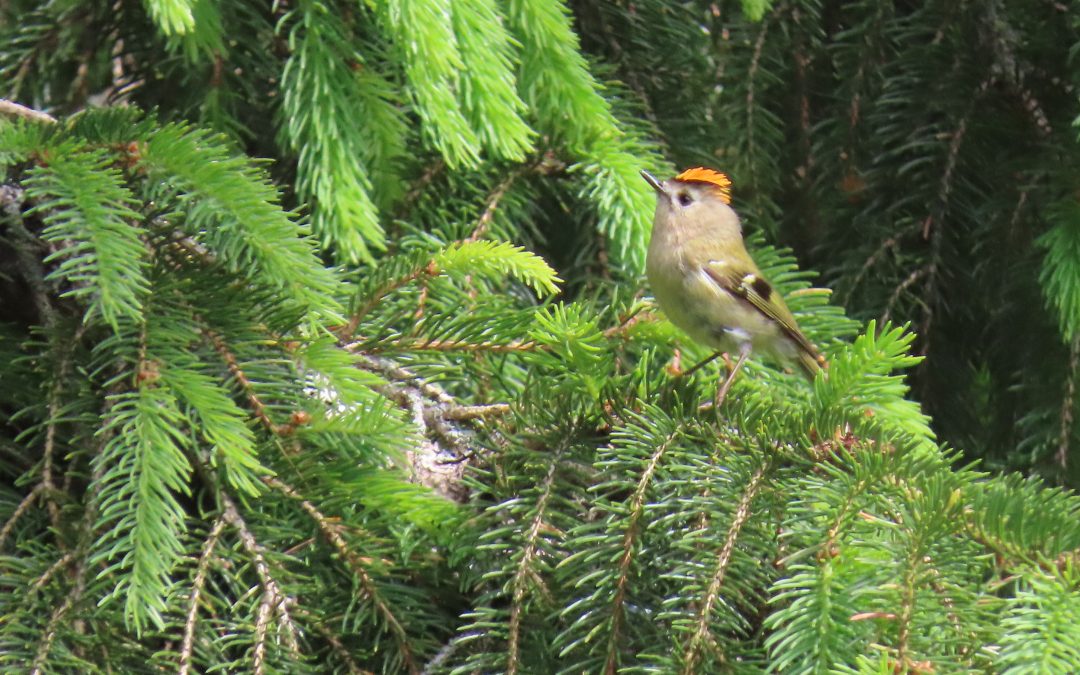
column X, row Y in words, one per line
column 697, row 199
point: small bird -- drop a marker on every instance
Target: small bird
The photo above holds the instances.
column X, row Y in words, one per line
column 706, row 282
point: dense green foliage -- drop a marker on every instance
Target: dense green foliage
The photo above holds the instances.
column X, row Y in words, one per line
column 399, row 401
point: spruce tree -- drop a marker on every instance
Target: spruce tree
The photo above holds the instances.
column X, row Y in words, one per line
column 399, row 401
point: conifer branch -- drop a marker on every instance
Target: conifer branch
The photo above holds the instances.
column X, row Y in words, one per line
column 274, row 599
column 1068, row 404
column 633, row 529
column 20, row 510
column 338, row 647
column 333, row 534
column 47, row 576
column 187, row 645
column 524, row 572
column 378, row 294
column 751, row 83
column 492, row 202
column 702, row 633
column 58, row 615
column 258, row 408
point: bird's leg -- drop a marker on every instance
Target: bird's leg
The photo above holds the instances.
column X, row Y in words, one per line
column 721, row 393
column 704, row 362
column 675, row 367
column 729, row 365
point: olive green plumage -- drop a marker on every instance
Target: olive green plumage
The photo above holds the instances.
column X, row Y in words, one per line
column 705, row 280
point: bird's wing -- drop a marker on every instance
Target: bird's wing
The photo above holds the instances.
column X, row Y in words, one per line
column 759, row 294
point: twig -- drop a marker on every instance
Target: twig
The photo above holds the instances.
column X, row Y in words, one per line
column 742, row 514
column 903, row 286
column 188, row 645
column 257, row 406
column 20, row 510
column 1067, row 404
column 274, row 600
column 354, row 321
column 333, row 640
column 634, row 516
column 751, row 78
column 524, row 572
column 332, row 532
column 495, row 197
column 17, row 110
column 62, row 562
column 58, row 614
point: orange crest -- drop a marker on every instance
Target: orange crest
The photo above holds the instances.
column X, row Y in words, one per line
column 716, row 179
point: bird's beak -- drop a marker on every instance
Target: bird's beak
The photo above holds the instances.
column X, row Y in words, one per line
column 652, row 181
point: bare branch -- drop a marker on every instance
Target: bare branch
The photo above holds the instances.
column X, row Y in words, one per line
column 18, row 110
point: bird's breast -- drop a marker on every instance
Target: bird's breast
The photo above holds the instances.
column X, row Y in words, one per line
column 696, row 303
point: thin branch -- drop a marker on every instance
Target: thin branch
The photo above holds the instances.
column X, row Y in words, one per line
column 636, row 511
column 20, row 510
column 187, row 647
column 53, row 627
column 380, row 293
column 274, row 598
column 751, row 80
column 742, row 514
column 334, row 641
column 1068, row 403
column 904, row 285
column 47, row 576
column 332, row 532
column 17, row 110
column 524, row 571
column 257, row 406
column 413, row 195
column 492, row 203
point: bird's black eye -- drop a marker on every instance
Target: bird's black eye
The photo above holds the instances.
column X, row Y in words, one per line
column 685, row 199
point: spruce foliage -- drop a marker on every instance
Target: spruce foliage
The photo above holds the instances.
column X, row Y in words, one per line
column 398, row 402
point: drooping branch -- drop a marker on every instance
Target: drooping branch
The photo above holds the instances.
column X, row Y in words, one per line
column 332, row 531
column 187, row 646
column 633, row 529
column 274, row 599
column 697, row 642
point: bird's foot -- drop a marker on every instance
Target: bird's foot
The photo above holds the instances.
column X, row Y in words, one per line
column 674, row 367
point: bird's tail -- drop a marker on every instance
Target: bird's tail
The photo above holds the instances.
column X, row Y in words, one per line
column 811, row 363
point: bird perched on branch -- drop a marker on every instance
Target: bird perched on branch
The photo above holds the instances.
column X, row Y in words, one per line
column 706, row 282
